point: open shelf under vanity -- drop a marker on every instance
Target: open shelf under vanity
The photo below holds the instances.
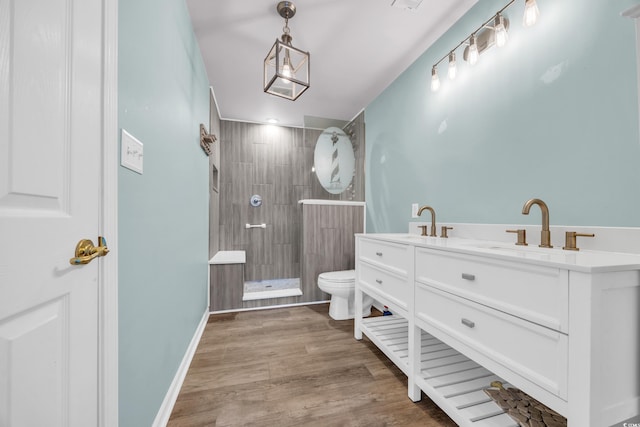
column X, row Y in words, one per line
column 453, row 381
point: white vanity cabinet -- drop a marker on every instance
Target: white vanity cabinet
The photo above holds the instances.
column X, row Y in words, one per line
column 384, row 270
column 532, row 292
column 511, row 318
column 563, row 327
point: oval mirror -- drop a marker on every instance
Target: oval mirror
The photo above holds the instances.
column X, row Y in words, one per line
column 334, row 160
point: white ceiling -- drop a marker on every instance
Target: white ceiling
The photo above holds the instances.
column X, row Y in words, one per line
column 357, row 47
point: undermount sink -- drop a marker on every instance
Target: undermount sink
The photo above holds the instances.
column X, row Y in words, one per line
column 500, row 246
column 531, row 252
column 485, row 246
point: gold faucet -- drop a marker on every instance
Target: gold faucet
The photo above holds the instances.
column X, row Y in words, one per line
column 522, row 236
column 570, row 240
column 433, row 218
column 545, row 234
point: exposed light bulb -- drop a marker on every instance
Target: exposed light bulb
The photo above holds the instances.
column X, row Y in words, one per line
column 287, row 72
column 500, row 31
column 453, row 69
column 473, row 53
column 531, row 13
column 435, row 80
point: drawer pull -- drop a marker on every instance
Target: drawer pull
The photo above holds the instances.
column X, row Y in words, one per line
column 469, row 323
column 379, row 253
column 467, row 276
column 379, row 282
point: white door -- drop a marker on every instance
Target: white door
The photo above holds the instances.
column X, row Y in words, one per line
column 51, row 100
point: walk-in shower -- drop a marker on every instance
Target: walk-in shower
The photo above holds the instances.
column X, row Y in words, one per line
column 264, row 172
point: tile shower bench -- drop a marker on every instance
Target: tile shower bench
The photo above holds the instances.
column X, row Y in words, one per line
column 226, row 276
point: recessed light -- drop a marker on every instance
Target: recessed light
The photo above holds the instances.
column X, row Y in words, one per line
column 272, row 121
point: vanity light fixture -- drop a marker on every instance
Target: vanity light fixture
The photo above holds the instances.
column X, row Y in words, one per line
column 453, row 68
column 435, row 80
column 483, row 38
column 473, row 54
column 500, row 30
column 531, row 13
column 286, row 68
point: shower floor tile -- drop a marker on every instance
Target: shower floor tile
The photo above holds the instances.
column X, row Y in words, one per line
column 274, row 288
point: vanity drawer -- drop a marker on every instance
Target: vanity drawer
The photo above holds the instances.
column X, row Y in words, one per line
column 529, row 350
column 535, row 293
column 394, row 257
column 390, row 287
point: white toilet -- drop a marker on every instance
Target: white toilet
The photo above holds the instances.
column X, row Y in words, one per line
column 340, row 285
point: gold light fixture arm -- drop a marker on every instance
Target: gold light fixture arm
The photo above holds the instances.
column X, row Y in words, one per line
column 86, row 252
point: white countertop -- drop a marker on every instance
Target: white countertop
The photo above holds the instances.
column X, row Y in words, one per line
column 588, row 261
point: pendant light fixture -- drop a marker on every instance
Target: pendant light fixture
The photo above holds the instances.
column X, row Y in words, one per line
column 286, row 68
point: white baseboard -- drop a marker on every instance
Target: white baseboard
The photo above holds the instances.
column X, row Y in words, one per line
column 162, row 418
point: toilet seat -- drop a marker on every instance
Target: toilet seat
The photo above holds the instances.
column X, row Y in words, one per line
column 339, row 277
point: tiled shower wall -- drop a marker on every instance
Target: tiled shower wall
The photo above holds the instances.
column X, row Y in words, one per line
column 276, row 163
column 328, row 242
column 214, row 180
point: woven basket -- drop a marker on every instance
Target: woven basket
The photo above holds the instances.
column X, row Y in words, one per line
column 524, row 409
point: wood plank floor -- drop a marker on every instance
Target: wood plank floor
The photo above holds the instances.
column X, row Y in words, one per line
column 294, row 366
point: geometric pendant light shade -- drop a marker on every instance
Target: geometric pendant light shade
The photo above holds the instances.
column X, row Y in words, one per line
column 286, row 68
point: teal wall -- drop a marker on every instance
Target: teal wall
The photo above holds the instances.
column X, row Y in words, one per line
column 553, row 115
column 163, row 214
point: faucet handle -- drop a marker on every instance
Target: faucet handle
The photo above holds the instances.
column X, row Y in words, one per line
column 522, row 236
column 570, row 240
column 424, row 230
column 443, row 232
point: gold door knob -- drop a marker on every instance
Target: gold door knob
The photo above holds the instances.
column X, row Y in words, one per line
column 86, row 252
